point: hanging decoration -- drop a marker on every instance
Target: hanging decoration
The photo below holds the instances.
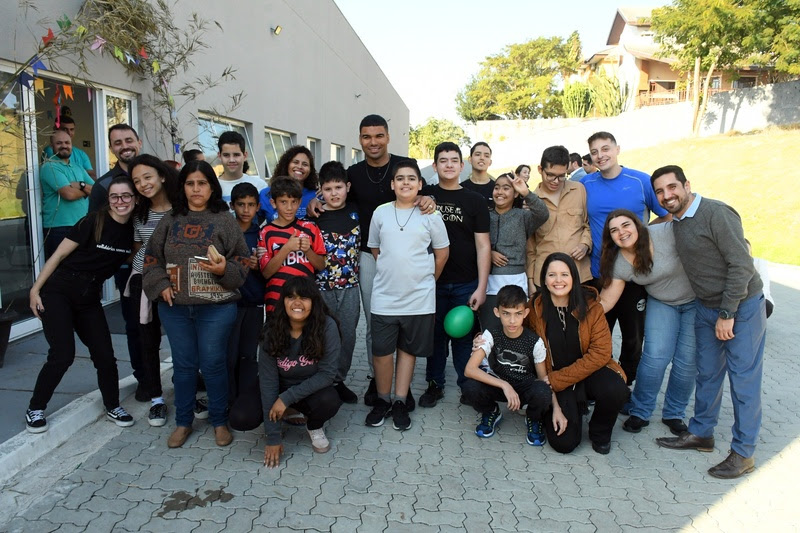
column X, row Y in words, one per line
column 37, row 65
column 68, row 92
column 49, row 37
column 64, row 23
column 25, row 79
column 38, row 86
column 98, row 43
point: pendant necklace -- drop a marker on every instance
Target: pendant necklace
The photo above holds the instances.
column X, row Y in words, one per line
column 407, row 220
column 386, row 170
column 562, row 316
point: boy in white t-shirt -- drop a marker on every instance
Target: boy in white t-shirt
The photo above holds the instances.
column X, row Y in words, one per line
column 233, row 155
column 411, row 250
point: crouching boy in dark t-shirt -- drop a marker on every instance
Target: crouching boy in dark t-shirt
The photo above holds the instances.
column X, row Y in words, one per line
column 508, row 367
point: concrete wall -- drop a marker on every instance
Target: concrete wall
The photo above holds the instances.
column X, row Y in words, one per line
column 746, row 110
column 515, row 142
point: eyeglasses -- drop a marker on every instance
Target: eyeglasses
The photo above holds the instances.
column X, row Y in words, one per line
column 124, row 198
column 554, row 177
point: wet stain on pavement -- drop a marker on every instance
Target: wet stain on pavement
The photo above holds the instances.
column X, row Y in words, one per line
column 182, row 500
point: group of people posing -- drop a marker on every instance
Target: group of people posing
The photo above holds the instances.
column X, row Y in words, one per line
column 260, row 289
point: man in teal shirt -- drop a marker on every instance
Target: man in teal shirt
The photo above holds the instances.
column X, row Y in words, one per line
column 78, row 156
column 65, row 192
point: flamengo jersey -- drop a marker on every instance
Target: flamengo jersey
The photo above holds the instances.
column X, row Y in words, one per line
column 273, row 237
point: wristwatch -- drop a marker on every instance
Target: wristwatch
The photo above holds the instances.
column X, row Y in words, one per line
column 726, row 315
column 82, row 185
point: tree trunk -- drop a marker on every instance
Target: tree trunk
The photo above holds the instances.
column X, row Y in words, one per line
column 696, row 93
column 706, row 87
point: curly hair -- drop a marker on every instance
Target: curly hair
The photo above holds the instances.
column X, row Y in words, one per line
column 642, row 256
column 282, row 168
column 276, row 331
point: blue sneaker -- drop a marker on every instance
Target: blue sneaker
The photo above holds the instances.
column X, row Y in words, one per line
column 536, row 435
column 488, row 423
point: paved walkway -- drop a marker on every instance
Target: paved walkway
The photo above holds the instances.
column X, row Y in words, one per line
column 435, row 477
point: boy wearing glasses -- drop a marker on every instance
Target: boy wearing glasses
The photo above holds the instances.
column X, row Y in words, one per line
column 615, row 187
column 567, row 228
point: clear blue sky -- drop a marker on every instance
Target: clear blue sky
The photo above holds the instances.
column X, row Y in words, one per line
column 429, row 48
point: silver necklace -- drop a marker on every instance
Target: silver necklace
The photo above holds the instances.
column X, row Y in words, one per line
column 407, row 220
column 562, row 316
column 386, row 171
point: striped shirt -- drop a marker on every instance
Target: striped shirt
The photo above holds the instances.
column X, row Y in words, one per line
column 142, row 233
column 272, row 238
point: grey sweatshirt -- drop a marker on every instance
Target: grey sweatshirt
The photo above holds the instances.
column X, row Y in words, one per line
column 714, row 255
column 510, row 231
column 296, row 375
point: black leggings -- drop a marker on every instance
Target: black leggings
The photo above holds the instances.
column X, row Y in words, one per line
column 483, row 398
column 247, row 413
column 72, row 305
column 150, row 335
column 609, row 392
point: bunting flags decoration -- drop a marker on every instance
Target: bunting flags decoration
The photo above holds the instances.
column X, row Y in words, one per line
column 49, row 37
column 89, row 93
column 37, row 65
column 38, row 86
column 3, row 119
column 98, row 43
column 25, row 79
column 64, row 22
column 143, row 53
column 156, row 67
column 81, row 30
column 68, row 92
column 118, row 53
column 57, row 97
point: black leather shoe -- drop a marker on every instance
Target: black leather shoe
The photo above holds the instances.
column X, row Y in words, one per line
column 675, row 425
column 602, row 449
column 687, row 441
column 634, row 424
column 733, row 466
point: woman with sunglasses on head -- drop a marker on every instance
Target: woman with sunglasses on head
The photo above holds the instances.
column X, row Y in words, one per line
column 647, row 256
column 66, row 298
column 195, row 262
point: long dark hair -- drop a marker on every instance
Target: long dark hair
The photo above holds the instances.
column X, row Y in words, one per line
column 277, row 329
column 282, row 168
column 215, row 204
column 106, row 210
column 642, row 256
column 577, row 298
column 164, row 171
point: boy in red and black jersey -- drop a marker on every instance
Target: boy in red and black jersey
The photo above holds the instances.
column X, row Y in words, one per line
column 293, row 247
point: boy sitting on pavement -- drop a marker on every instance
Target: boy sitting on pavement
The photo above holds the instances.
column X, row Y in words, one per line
column 509, row 366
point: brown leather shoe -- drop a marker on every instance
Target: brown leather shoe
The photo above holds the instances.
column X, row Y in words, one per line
column 687, row 441
column 222, row 435
column 733, row 466
column 179, row 436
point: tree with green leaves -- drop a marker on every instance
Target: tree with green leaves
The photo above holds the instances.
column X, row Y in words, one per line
column 423, row 139
column 577, row 99
column 522, row 82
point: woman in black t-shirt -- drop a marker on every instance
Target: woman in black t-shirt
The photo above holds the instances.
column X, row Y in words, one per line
column 66, row 298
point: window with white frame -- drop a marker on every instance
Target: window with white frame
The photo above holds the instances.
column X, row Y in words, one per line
column 276, row 142
column 356, row 156
column 315, row 147
column 210, row 127
column 337, row 152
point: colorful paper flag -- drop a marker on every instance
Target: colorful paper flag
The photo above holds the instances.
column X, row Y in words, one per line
column 37, row 65
column 156, row 67
column 98, row 43
column 68, row 92
column 81, row 30
column 89, row 93
column 3, row 119
column 57, row 97
column 143, row 53
column 129, row 58
column 49, row 37
column 118, row 53
column 38, row 86
column 177, row 148
column 64, row 22
column 25, row 79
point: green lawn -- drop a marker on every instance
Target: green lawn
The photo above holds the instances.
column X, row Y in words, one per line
column 754, row 173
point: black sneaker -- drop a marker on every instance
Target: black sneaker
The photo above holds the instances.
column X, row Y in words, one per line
column 410, row 403
column 379, row 413
column 400, row 419
column 201, row 408
column 35, row 421
column 158, row 415
column 345, row 394
column 488, row 423
column 141, row 395
column 634, row 424
column 432, row 395
column 371, row 396
column 120, row 417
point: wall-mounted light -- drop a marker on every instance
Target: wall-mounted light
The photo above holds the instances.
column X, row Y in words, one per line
column 277, row 30
column 358, row 95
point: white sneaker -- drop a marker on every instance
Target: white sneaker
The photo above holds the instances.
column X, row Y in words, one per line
column 319, row 442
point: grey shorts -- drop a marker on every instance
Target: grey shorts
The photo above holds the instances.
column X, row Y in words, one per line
column 412, row 333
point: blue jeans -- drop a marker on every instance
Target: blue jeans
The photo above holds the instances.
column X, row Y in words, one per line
column 198, row 337
column 668, row 337
column 448, row 296
column 743, row 359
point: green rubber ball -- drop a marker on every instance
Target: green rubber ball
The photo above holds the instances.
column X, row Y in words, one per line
column 459, row 321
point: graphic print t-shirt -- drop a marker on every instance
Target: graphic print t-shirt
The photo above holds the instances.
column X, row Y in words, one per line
column 509, row 359
column 101, row 258
column 341, row 233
